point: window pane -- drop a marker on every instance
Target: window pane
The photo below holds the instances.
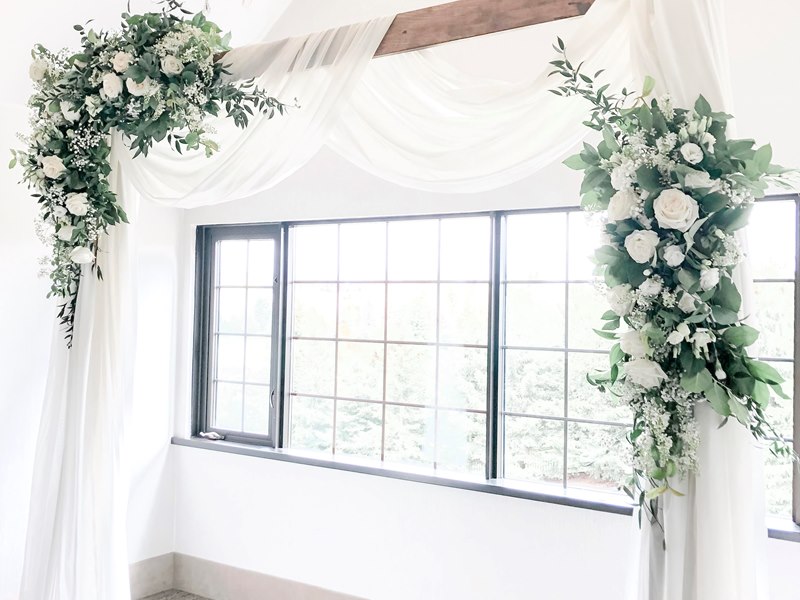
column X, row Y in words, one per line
column 230, row 357
column 536, row 247
column 585, row 400
column 534, row 449
column 462, row 377
column 314, row 310
column 228, row 407
column 361, row 310
column 586, row 306
column 360, row 370
column 231, row 310
column 771, row 240
column 775, row 320
column 261, row 268
column 534, row 382
column 584, row 239
column 259, row 311
column 232, row 262
column 463, row 313
column 780, row 411
column 358, row 428
column 778, row 481
column 411, row 374
column 461, row 442
column 410, row 435
column 412, row 312
column 598, row 456
column 315, row 253
column 535, row 315
column 258, row 358
column 313, row 367
column 413, row 250
column 256, row 409
column 465, row 249
column 312, row 423
column 362, row 248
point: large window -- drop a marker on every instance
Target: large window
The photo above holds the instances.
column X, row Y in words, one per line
column 454, row 345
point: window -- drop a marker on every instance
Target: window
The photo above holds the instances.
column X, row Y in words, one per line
column 454, row 345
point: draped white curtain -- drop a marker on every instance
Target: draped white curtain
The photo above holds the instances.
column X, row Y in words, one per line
column 414, row 120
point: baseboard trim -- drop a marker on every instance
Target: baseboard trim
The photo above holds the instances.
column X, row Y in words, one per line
column 218, row 582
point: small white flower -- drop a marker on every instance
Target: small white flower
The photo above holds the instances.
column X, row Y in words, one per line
column 692, row 153
column 121, row 61
column 65, row 233
column 675, row 210
column 686, row 303
column 641, row 245
column 621, row 299
column 673, row 256
column 707, row 141
column 69, row 112
column 112, row 85
column 675, row 338
column 77, row 204
column 709, row 278
column 621, row 177
column 38, row 69
column 145, row 88
column 59, row 212
column 644, row 372
column 651, row 287
column 633, row 344
column 81, row 255
column 701, row 339
column 52, row 166
column 622, row 205
column 170, row 65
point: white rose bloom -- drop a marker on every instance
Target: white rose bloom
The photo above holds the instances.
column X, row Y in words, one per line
column 38, row 69
column 81, row 255
column 641, row 245
column 698, row 179
column 673, row 256
column 93, row 105
column 65, row 233
column 708, row 141
column 621, row 299
column 686, row 303
column 170, row 65
column 121, row 61
column 692, row 153
column 52, row 166
column 633, row 344
column 145, row 88
column 675, row 210
column 709, row 278
column 59, row 212
column 644, row 372
column 77, row 204
column 651, row 287
column 112, row 85
column 622, row 205
column 69, row 112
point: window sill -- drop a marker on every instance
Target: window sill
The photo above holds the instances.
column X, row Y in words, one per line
column 780, row 529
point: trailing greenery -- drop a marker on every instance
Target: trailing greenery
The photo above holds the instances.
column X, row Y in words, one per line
column 672, row 190
column 154, row 80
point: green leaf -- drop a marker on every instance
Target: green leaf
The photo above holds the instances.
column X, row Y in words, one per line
column 698, row 383
column 645, row 118
column 649, row 178
column 594, row 178
column 609, row 335
column 763, row 157
column 739, row 411
column 718, row 398
column 576, row 162
column 690, row 364
column 776, row 387
column 608, row 255
column 609, row 139
column 713, row 202
column 724, row 316
column 740, row 335
column 648, row 85
column 702, row 107
column 616, row 354
column 763, row 372
column 688, row 279
column 761, row 394
column 727, row 296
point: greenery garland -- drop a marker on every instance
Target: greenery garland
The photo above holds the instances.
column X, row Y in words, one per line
column 155, row 79
column 673, row 190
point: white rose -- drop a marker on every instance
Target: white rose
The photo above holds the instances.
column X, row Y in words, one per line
column 651, row 287
column 59, row 212
column 77, row 204
column 709, row 278
column 38, row 69
column 686, row 303
column 93, row 105
column 65, row 233
column 622, row 204
column 112, row 85
column 641, row 245
column 69, row 112
column 698, row 179
column 620, row 299
column 121, row 61
column 170, row 65
column 673, row 256
column 644, row 372
column 81, row 255
column 52, row 166
column 675, row 210
column 692, row 153
column 708, row 141
column 145, row 88
column 633, row 344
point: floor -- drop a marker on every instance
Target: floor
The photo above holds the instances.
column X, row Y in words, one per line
column 174, row 595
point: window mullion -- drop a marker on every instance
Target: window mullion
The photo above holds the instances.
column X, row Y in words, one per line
column 493, row 425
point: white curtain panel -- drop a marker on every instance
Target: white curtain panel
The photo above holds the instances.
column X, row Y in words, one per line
column 417, row 121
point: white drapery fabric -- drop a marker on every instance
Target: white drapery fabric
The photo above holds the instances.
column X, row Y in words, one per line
column 418, row 122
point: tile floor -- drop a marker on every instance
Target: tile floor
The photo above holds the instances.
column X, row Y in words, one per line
column 174, row 595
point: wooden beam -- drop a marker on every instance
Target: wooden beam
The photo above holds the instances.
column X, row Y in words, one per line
column 463, row 19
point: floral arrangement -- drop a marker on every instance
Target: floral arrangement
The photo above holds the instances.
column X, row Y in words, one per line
column 155, row 79
column 673, row 190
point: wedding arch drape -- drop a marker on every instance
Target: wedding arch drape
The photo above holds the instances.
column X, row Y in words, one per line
column 414, row 120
